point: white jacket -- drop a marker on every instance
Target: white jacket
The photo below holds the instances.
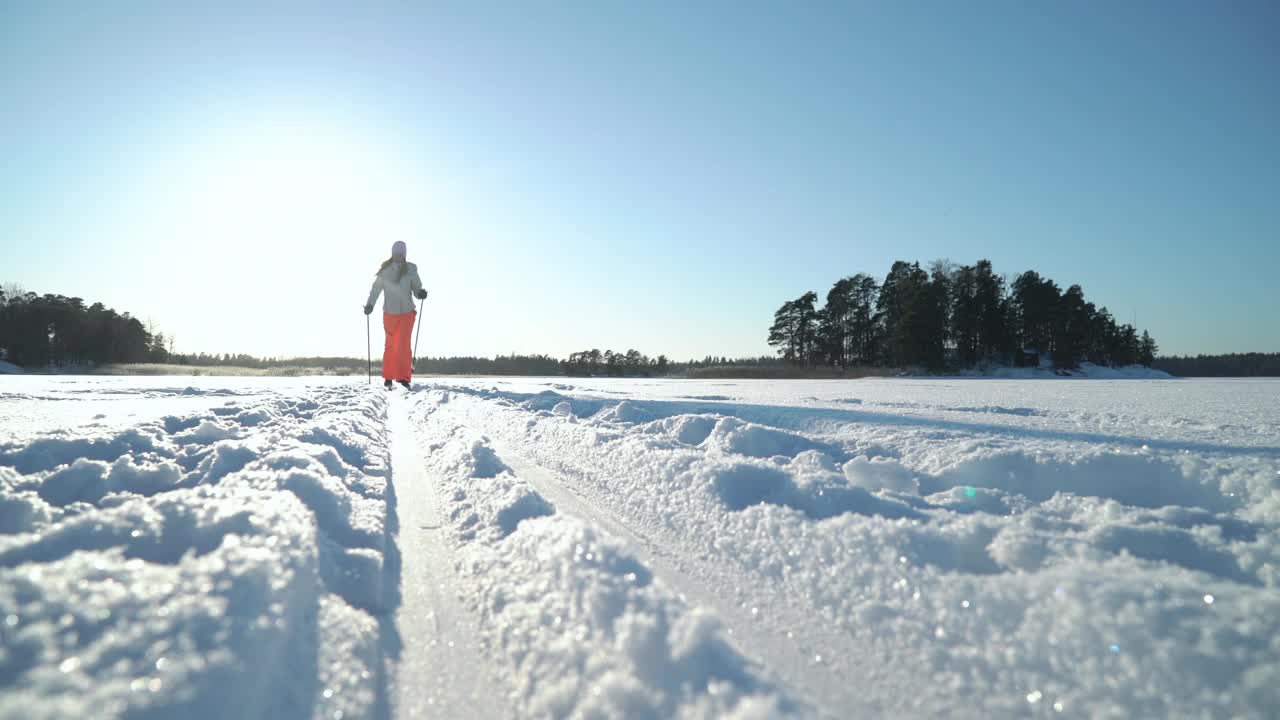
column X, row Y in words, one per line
column 398, row 287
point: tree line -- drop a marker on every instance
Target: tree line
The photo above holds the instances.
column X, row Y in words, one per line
column 459, row 365
column 953, row 317
column 499, row 365
column 42, row 330
column 1231, row 365
column 587, row 363
column 948, row 317
column 613, row 364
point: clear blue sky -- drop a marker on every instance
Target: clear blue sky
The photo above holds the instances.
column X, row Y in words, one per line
column 652, row 175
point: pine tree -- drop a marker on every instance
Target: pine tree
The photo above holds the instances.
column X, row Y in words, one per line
column 992, row 308
column 1070, row 328
column 864, row 321
column 1035, row 304
column 834, row 323
column 781, row 335
column 965, row 315
column 795, row 330
column 806, row 328
column 903, row 309
column 1147, row 349
column 935, row 325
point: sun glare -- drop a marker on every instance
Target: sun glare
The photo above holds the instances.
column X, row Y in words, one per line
column 265, row 216
column 277, row 191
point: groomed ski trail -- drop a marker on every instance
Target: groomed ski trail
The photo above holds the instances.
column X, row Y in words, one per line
column 805, row 665
column 780, row 655
column 440, row 671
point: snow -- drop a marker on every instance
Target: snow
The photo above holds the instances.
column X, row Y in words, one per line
column 577, row 616
column 1086, row 370
column 188, row 572
column 966, row 547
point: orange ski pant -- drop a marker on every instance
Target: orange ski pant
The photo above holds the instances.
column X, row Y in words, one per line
column 396, row 361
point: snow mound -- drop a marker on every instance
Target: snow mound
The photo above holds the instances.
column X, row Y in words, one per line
column 51, row 452
column 9, row 368
column 1086, row 370
column 685, row 429
column 1127, row 372
column 734, row 436
column 624, row 412
column 818, row 494
column 91, row 480
column 194, row 566
column 880, row 474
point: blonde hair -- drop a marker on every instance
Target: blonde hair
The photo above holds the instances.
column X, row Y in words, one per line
column 404, row 265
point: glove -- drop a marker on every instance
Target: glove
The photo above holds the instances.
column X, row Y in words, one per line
column 368, row 309
column 420, row 294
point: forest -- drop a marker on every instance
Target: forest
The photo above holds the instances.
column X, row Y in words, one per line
column 41, row 330
column 953, row 317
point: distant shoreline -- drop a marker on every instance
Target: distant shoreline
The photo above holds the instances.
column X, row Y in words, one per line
column 153, row 369
column 707, row 373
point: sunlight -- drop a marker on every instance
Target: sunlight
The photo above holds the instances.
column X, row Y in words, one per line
column 280, row 191
column 261, row 217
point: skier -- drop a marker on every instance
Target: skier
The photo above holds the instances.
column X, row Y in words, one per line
column 398, row 278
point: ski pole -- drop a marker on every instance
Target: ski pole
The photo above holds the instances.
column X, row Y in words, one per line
column 417, row 334
column 368, row 346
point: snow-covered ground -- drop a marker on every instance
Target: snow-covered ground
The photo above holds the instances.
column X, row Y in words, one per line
column 1086, row 370
column 271, row 547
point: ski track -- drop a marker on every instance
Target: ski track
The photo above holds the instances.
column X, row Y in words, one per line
column 525, row 548
column 441, row 671
column 936, row 584
column 586, row 627
column 787, row 656
column 814, row 665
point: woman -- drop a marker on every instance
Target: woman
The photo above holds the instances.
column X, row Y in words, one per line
column 398, row 278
